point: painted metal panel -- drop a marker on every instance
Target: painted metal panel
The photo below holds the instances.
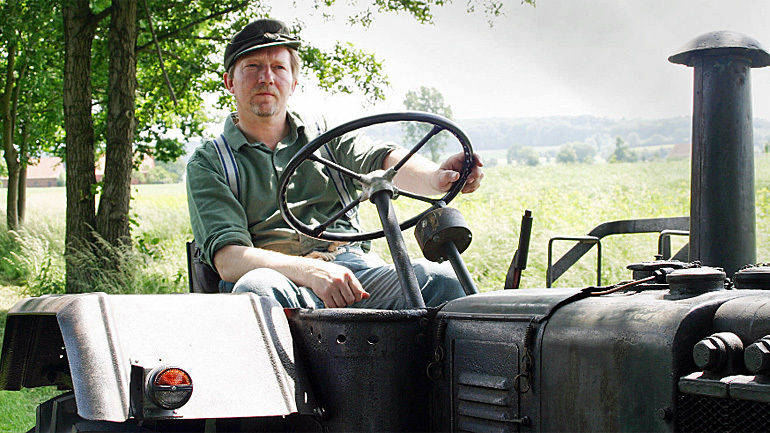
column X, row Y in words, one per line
column 236, row 347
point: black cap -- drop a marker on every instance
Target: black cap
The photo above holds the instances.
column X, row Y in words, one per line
column 258, row 34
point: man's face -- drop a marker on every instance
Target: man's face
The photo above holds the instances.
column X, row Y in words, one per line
column 262, row 81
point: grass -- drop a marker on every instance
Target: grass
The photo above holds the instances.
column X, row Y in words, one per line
column 564, row 199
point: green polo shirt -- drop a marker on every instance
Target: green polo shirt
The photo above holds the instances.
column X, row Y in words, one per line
column 219, row 218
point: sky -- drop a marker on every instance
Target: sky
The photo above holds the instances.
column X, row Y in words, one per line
column 562, row 57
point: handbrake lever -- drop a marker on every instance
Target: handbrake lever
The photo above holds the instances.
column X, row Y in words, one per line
column 519, row 262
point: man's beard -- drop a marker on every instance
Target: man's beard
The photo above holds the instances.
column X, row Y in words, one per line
column 261, row 110
column 264, row 109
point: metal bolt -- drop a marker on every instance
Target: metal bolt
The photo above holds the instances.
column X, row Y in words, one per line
column 757, row 356
column 709, row 354
column 665, row 413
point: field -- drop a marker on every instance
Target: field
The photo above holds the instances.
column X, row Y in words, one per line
column 564, row 200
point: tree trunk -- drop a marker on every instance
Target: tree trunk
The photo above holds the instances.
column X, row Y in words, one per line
column 21, row 204
column 112, row 219
column 11, row 213
column 79, row 28
column 10, row 92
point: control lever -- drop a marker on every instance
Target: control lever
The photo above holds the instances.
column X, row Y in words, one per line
column 519, row 262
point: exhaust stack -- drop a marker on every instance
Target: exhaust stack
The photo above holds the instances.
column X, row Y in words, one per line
column 722, row 211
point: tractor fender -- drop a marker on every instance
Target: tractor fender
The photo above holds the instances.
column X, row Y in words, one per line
column 237, row 349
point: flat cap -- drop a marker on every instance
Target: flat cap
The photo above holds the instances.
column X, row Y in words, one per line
column 258, row 34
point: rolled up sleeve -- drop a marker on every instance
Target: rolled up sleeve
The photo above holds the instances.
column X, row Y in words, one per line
column 216, row 216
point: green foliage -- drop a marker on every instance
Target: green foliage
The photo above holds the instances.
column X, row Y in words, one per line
column 623, row 152
column 34, row 28
column 161, row 173
column 522, row 155
column 427, row 99
column 767, row 145
column 530, row 157
column 567, row 154
column 584, row 152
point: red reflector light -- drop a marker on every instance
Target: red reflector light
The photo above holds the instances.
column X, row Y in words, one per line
column 173, row 376
column 169, row 387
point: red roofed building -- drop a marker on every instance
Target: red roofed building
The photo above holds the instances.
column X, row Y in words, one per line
column 49, row 171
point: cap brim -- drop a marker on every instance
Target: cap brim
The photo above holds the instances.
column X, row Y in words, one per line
column 292, row 44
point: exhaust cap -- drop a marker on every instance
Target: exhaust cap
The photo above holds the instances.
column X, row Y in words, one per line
column 722, row 43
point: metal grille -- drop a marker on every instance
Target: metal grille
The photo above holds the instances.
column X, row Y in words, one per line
column 697, row 413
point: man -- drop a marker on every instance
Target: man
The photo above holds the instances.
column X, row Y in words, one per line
column 234, row 214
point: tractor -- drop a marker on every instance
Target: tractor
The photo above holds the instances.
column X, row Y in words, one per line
column 683, row 345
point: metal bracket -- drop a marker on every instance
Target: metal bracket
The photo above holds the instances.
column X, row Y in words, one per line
column 645, row 225
column 588, row 240
column 664, row 242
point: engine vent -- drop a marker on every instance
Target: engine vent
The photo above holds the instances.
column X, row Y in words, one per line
column 484, row 403
column 485, row 400
column 697, row 413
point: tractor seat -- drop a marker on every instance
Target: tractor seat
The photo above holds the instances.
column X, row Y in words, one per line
column 202, row 277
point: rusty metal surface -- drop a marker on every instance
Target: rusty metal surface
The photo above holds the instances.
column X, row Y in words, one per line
column 237, row 348
column 367, row 366
column 620, row 357
column 748, row 317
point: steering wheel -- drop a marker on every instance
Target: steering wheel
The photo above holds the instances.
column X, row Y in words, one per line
column 375, row 182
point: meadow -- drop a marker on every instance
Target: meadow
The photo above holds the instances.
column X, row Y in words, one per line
column 564, row 200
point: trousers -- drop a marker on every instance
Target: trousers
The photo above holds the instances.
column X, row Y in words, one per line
column 437, row 283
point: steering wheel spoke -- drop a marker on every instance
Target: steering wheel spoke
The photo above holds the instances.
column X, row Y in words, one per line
column 419, row 197
column 436, row 129
column 320, row 229
column 334, row 166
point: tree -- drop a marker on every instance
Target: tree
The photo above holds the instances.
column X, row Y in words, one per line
column 514, row 153
column 767, row 145
column 431, row 100
column 529, row 156
column 623, row 152
column 566, row 154
column 584, row 152
column 31, row 89
column 522, row 155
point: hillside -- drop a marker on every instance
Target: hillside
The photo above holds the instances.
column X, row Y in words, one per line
column 544, row 132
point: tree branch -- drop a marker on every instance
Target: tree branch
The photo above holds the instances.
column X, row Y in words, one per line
column 160, row 56
column 194, row 23
column 103, row 14
column 187, row 64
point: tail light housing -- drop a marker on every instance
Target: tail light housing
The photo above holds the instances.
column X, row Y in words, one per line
column 169, row 387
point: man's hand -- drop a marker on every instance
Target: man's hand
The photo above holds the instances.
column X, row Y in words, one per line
column 449, row 172
column 334, row 284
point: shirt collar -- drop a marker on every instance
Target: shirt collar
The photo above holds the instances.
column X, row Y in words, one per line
column 235, row 138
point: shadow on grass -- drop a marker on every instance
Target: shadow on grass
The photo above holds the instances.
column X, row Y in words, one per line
column 17, row 408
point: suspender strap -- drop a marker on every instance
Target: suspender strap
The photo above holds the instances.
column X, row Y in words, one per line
column 228, row 164
column 337, row 181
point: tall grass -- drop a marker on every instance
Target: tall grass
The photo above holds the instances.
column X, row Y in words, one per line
column 33, row 259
